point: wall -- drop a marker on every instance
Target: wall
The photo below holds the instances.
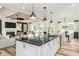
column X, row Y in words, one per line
column 4, row 30
column 76, row 26
column 55, row 25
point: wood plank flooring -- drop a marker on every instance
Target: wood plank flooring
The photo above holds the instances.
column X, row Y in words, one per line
column 11, row 51
column 69, row 49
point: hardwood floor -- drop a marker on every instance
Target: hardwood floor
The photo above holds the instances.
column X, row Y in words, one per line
column 69, row 49
column 8, row 52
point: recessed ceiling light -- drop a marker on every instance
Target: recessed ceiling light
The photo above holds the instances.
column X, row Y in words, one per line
column 23, row 8
column 73, row 5
column 1, row 7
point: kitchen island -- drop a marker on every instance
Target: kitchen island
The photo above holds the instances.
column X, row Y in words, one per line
column 25, row 47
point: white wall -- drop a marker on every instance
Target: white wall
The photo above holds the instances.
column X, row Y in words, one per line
column 4, row 30
column 76, row 27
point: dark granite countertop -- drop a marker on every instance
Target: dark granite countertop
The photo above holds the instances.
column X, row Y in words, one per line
column 37, row 42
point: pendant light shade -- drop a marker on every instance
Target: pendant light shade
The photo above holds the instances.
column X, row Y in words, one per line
column 51, row 21
column 32, row 16
column 64, row 19
column 44, row 19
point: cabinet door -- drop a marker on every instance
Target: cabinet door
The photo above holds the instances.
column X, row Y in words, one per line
column 55, row 45
column 31, row 50
column 19, row 48
column 49, row 50
column 52, row 46
column 45, row 50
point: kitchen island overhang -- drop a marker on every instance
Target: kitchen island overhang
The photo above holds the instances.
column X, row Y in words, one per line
column 38, row 48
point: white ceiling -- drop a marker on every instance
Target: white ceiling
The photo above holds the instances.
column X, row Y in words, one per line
column 60, row 10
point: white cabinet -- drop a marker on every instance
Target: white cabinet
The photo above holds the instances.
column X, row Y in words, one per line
column 31, row 50
column 25, row 49
column 76, row 27
column 45, row 49
column 55, row 45
column 19, row 48
column 48, row 49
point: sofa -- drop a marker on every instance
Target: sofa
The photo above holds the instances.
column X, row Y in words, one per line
column 6, row 42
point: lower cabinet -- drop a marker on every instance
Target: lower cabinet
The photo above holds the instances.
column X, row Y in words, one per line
column 45, row 50
column 55, row 45
column 25, row 49
column 19, row 48
column 48, row 49
column 30, row 50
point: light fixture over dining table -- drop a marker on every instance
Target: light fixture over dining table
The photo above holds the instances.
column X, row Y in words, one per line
column 32, row 16
column 51, row 17
column 44, row 19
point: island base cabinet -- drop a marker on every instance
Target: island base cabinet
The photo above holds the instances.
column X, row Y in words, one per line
column 19, row 48
column 48, row 49
column 25, row 49
column 31, row 50
column 56, row 46
column 45, row 50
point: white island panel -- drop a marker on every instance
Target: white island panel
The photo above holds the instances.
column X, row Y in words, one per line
column 48, row 49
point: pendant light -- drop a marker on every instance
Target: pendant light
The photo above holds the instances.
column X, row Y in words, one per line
column 44, row 19
column 64, row 19
column 51, row 17
column 51, row 21
column 64, row 26
column 32, row 16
